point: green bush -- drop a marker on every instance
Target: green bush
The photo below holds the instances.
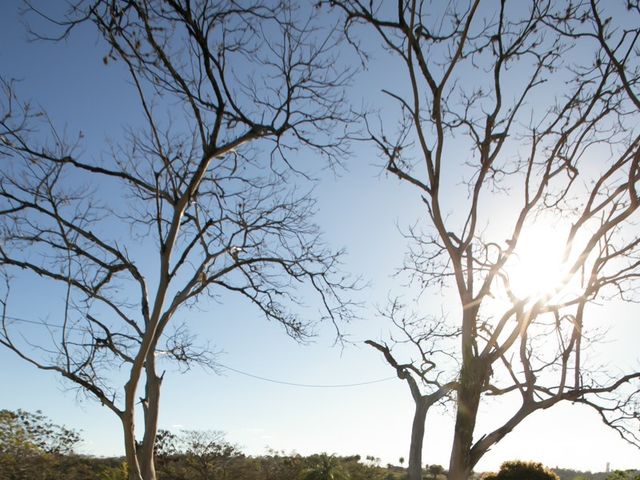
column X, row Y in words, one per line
column 519, row 470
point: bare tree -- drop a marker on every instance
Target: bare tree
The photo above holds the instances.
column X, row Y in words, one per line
column 489, row 99
column 617, row 48
column 199, row 202
column 428, row 337
column 208, row 454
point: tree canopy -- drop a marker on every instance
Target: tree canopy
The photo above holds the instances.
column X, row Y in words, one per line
column 204, row 198
column 515, row 124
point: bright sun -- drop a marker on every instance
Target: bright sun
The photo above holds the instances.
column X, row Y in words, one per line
column 536, row 269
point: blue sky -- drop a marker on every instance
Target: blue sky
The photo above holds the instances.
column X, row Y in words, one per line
column 359, row 209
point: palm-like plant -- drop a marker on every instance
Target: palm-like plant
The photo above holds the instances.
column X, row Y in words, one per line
column 327, row 467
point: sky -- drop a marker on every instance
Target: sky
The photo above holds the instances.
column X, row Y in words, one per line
column 359, row 209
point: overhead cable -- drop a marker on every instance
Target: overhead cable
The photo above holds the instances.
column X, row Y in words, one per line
column 226, row 367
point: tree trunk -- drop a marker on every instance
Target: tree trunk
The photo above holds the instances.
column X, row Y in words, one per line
column 417, row 439
column 472, row 378
column 130, row 445
column 150, row 406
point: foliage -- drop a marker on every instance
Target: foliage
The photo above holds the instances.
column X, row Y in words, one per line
column 435, row 470
column 119, row 472
column 272, row 466
column 327, row 467
column 23, row 434
column 624, row 475
column 186, row 455
column 33, row 447
column 206, row 455
column 569, row 474
column 519, row 470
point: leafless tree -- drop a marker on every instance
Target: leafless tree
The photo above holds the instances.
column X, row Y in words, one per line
column 540, row 128
column 429, row 338
column 199, row 202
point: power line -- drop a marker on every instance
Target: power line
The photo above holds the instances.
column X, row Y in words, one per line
column 307, row 385
column 43, row 323
column 226, row 367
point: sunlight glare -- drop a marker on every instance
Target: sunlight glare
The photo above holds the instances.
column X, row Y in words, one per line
column 537, row 269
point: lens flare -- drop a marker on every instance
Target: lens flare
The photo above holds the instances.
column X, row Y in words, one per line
column 537, row 268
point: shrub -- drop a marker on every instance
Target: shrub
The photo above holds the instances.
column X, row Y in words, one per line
column 519, row 470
